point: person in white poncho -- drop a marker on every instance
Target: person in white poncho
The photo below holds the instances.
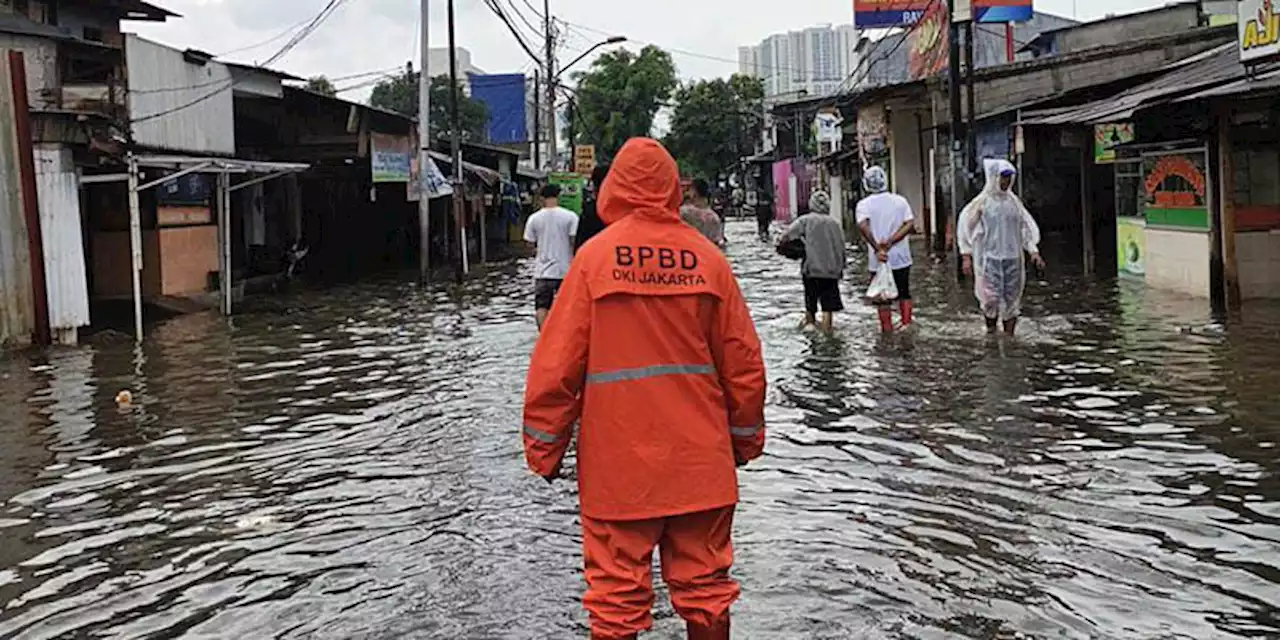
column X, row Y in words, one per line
column 996, row 233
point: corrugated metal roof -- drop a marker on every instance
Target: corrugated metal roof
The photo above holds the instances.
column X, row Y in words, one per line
column 484, row 173
column 1265, row 81
column 1208, row 69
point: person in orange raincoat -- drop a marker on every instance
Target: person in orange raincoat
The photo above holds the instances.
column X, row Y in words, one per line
column 651, row 350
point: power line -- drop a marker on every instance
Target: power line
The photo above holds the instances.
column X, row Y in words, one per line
column 497, row 10
column 278, row 36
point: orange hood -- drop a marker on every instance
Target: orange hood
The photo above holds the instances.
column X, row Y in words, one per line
column 643, row 181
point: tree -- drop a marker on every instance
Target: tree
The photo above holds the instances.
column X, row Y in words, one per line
column 400, row 94
column 714, row 124
column 321, row 85
column 618, row 98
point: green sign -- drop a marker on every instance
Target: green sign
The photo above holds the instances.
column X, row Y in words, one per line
column 571, row 188
column 1175, row 189
column 1106, row 137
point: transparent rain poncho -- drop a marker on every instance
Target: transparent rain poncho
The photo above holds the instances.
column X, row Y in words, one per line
column 998, row 231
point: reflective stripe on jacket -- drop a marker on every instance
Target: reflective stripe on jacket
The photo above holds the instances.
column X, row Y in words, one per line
column 651, row 350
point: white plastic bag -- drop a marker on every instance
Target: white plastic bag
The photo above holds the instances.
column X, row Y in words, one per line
column 883, row 288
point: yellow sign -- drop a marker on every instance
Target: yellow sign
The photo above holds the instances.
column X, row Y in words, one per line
column 584, row 159
column 1259, row 28
column 1131, row 246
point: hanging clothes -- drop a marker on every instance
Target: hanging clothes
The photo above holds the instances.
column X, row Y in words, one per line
column 998, row 231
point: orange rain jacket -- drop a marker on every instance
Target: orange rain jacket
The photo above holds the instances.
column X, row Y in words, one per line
column 651, row 347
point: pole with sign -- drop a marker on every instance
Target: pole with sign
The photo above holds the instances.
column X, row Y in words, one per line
column 584, row 159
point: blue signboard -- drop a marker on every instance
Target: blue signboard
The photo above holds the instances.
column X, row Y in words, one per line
column 504, row 96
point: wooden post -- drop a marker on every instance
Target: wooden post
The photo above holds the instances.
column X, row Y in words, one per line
column 1226, row 180
column 1086, row 210
column 224, row 239
column 30, row 198
column 484, row 227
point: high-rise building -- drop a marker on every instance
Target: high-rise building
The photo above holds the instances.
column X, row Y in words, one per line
column 817, row 60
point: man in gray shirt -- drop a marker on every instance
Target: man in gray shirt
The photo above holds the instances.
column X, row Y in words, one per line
column 824, row 259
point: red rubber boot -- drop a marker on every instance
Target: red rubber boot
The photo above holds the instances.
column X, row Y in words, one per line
column 886, row 319
column 906, row 308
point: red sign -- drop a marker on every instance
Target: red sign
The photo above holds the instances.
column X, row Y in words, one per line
column 869, row 14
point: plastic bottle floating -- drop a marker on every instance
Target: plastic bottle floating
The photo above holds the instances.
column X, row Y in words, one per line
column 124, row 399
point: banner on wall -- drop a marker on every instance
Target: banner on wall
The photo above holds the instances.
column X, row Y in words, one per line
column 927, row 44
column 1175, row 189
column 1131, row 246
column 1106, row 137
column 876, row 14
column 390, row 157
column 782, row 190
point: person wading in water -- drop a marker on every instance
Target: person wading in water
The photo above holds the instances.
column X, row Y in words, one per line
column 651, row 351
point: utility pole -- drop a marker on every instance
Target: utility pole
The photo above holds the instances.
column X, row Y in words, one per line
column 573, row 135
column 551, row 85
column 953, row 89
column 424, row 145
column 537, row 120
column 971, row 129
column 455, row 142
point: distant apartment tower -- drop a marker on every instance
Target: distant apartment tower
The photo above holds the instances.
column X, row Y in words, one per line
column 817, row 60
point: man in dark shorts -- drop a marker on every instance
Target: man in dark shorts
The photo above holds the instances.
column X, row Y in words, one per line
column 824, row 260
column 552, row 230
column 885, row 221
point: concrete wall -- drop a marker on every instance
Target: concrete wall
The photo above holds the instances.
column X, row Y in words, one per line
column 1178, row 261
column 1148, row 24
column 1023, row 83
column 40, row 56
column 1258, row 261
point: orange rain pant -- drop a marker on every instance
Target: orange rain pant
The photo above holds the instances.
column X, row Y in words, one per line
column 696, row 554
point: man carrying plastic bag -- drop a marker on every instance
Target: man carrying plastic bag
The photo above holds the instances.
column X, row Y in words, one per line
column 995, row 234
column 886, row 221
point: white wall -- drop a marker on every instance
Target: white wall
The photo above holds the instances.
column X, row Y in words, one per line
column 176, row 105
column 908, row 180
column 1178, row 261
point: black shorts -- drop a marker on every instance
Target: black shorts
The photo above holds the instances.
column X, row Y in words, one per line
column 902, row 278
column 544, row 293
column 824, row 292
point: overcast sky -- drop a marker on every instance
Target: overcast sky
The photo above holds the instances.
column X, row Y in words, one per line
column 368, row 35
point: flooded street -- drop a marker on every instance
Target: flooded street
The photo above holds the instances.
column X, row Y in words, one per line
column 347, row 464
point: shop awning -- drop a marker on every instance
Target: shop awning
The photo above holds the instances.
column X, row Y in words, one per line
column 485, row 174
column 1209, row 69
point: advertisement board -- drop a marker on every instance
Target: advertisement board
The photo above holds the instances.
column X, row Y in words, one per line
column 571, row 186
column 1131, row 246
column 1175, row 189
column 927, row 44
column 1106, row 137
column 1258, row 29
column 879, row 14
column 584, row 159
column 390, row 157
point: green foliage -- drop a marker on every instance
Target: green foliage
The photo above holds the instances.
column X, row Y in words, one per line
column 400, row 93
column 321, row 85
column 715, row 123
column 619, row 96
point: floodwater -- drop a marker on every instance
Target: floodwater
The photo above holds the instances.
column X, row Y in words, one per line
column 347, row 464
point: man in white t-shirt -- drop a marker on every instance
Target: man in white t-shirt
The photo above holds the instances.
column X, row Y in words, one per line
column 886, row 221
column 552, row 229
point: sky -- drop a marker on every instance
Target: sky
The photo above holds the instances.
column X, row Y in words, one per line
column 373, row 35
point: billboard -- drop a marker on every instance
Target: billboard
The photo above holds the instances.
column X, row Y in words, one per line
column 504, row 95
column 927, row 44
column 871, row 14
